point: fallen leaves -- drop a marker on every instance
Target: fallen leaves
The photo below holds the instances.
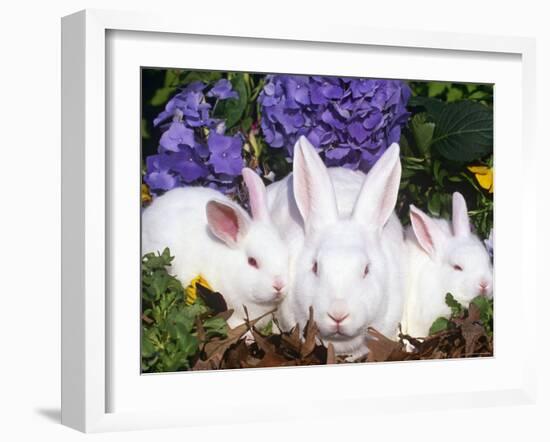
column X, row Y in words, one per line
column 186, row 329
column 382, row 349
column 275, row 350
column 464, row 337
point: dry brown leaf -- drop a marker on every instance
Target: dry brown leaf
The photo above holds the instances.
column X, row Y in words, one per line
column 224, row 315
column 331, row 356
column 219, row 346
column 211, row 364
column 236, row 355
column 275, row 360
column 472, row 333
column 310, row 336
column 292, row 339
column 466, row 338
column 382, row 348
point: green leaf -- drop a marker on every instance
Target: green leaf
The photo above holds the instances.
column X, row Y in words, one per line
column 204, row 76
column 433, row 106
column 456, row 307
column 454, row 179
column 215, row 327
column 161, row 95
column 483, row 304
column 147, row 346
column 422, row 132
column 434, row 204
column 454, row 94
column 232, row 110
column 485, row 307
column 246, row 124
column 267, row 329
column 439, row 325
column 172, row 77
column 189, row 345
column 478, row 95
column 436, row 88
column 463, row 131
column 144, row 132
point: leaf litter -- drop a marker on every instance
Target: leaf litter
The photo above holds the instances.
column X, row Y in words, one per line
column 186, row 329
column 246, row 346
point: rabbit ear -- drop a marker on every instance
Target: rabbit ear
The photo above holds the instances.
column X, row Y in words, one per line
column 427, row 232
column 256, row 194
column 461, row 222
column 312, row 187
column 227, row 222
column 378, row 196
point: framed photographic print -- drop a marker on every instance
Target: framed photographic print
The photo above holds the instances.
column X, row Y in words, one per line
column 276, row 209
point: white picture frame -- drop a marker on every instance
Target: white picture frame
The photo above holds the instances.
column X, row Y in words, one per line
column 89, row 324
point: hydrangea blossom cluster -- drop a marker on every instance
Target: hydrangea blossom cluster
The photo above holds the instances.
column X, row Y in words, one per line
column 194, row 148
column 351, row 121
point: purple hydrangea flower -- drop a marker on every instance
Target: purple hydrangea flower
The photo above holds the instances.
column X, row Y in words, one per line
column 177, row 135
column 159, row 176
column 350, row 120
column 223, row 90
column 194, row 148
column 226, row 155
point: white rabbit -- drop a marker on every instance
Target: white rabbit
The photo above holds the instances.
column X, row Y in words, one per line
column 443, row 258
column 241, row 257
column 346, row 247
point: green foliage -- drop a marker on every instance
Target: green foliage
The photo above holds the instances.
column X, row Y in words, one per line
column 169, row 337
column 484, row 305
column 439, row 325
column 176, row 78
column 267, row 329
column 451, row 128
column 463, row 131
column 442, row 323
column 450, row 92
column 232, row 110
column 456, row 308
column 423, row 131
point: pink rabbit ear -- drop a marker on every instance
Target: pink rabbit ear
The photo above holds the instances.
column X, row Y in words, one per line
column 312, row 187
column 461, row 222
column 227, row 222
column 427, row 232
column 378, row 196
column 257, row 195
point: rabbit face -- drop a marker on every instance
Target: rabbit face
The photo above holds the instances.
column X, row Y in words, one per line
column 462, row 264
column 341, row 271
column 343, row 279
column 466, row 270
column 258, row 268
column 264, row 265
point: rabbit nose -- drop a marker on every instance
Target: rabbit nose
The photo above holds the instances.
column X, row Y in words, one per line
column 278, row 285
column 484, row 287
column 338, row 317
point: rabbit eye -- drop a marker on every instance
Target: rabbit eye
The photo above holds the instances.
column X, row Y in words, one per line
column 366, row 271
column 458, row 268
column 314, row 268
column 253, row 263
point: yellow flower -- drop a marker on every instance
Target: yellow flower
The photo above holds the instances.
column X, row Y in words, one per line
column 484, row 176
column 191, row 289
column 146, row 197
